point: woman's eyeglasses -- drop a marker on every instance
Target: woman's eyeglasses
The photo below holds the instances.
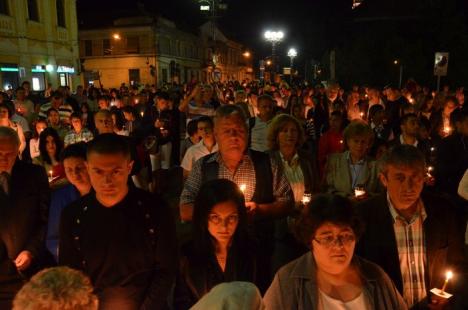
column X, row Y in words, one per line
column 217, row 220
column 329, row 241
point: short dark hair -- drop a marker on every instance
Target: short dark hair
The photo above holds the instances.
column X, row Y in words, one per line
column 9, row 106
column 162, row 95
column 402, row 155
column 109, row 143
column 192, row 127
column 406, row 117
column 266, row 97
column 51, row 110
column 77, row 150
column 75, row 115
column 326, row 208
column 49, row 131
column 374, row 110
column 205, row 119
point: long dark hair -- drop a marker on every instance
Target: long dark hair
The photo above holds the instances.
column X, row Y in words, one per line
column 42, row 144
column 212, row 193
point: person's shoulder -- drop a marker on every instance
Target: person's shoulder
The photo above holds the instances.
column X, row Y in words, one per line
column 73, row 209
column 301, row 267
column 372, row 204
column 370, row 270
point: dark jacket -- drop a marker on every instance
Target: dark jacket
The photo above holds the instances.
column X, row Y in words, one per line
column 444, row 240
column 23, row 220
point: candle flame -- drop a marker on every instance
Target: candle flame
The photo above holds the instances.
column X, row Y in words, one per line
column 242, row 187
column 449, row 275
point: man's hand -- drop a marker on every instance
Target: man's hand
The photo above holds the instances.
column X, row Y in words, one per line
column 23, row 261
column 251, row 206
column 437, row 303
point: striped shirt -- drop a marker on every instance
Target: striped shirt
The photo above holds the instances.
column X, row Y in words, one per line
column 244, row 174
column 409, row 236
column 65, row 110
column 83, row 136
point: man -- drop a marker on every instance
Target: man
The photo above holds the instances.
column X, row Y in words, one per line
column 24, row 106
column 77, row 132
column 394, row 104
column 53, row 118
column 258, row 126
column 267, row 192
column 413, row 236
column 123, row 238
column 103, row 122
column 206, row 146
column 64, row 109
column 73, row 160
column 409, row 126
column 24, row 201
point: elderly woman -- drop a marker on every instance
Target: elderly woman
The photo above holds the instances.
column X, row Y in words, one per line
column 352, row 173
column 330, row 276
column 285, row 138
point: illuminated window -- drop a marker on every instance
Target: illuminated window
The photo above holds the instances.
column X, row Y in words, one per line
column 60, row 13
column 33, row 12
column 36, row 83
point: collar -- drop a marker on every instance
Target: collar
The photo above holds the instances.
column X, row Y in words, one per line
column 421, row 211
column 402, row 141
column 360, row 162
column 294, row 160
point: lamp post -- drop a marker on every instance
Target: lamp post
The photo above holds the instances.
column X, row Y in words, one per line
column 397, row 62
column 291, row 54
column 274, row 37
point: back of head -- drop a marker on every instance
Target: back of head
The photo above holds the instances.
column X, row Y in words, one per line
column 10, row 134
column 57, row 288
column 228, row 111
column 107, row 144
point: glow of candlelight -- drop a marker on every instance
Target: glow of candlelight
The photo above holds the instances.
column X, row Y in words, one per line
column 359, row 192
column 432, row 149
column 448, row 276
column 341, row 141
column 142, row 113
column 447, row 129
column 362, row 114
column 306, row 199
column 136, row 101
column 242, row 187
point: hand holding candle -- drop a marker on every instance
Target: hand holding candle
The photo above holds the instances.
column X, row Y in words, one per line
column 51, row 176
column 306, row 198
column 441, row 293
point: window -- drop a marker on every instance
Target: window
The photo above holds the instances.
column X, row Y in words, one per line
column 60, row 13
column 33, row 12
column 134, row 76
column 106, row 47
column 164, row 75
column 133, row 45
column 4, row 7
column 88, row 48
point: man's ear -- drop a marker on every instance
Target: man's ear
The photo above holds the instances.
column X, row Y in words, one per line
column 383, row 179
column 130, row 166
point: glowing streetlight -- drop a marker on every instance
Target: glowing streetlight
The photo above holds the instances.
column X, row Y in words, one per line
column 274, row 37
column 116, row 36
column 246, row 54
column 291, row 54
column 397, row 62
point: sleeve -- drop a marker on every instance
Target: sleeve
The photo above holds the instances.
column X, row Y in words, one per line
column 463, row 186
column 68, row 253
column 330, row 174
column 277, row 295
column 187, row 161
column 35, row 244
column 166, row 261
column 192, row 184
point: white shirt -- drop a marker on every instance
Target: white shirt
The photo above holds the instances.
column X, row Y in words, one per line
column 328, row 303
column 259, row 141
column 194, row 153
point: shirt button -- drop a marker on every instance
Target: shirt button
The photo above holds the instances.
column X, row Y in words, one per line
column 412, row 263
column 411, row 243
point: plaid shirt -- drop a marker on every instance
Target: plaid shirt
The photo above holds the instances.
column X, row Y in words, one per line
column 244, row 174
column 72, row 137
column 411, row 245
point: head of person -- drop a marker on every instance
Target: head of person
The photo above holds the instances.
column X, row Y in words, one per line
column 117, row 119
column 219, row 214
column 79, row 90
column 56, row 99
column 129, row 113
column 427, row 104
column 402, row 171
column 459, row 118
column 297, row 111
column 76, row 121
column 358, row 138
column 240, row 96
column 103, row 121
column 192, row 129
column 409, row 124
column 330, row 228
column 374, row 95
column 333, row 91
column 50, row 145
column 285, row 131
column 20, row 93
column 9, row 148
column 103, row 102
column 336, row 121
column 393, row 93
column 205, row 127
column 230, row 131
column 53, row 117
column 109, row 165
column 39, row 127
column 6, row 111
column 73, row 159
column 265, row 105
column 26, row 86
column 450, row 104
column 162, row 100
column 207, row 93
column 57, row 288
column 353, row 98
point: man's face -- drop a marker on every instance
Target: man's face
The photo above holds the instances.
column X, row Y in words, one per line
column 108, row 174
column 404, row 184
column 8, row 152
column 77, row 124
column 53, row 118
column 411, row 127
column 332, row 93
column 231, row 136
column 204, row 129
column 20, row 95
column 103, row 123
column 163, row 104
column 76, row 173
column 103, row 104
column 57, row 101
column 265, row 109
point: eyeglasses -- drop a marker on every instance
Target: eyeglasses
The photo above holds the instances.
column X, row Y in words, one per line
column 329, row 241
column 217, row 220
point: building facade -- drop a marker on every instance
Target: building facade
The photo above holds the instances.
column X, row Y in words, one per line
column 39, row 43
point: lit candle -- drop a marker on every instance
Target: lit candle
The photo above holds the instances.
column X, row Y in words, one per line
column 51, row 176
column 411, row 100
column 142, row 113
column 243, row 187
column 447, row 129
column 448, row 276
column 136, row 101
column 359, row 191
column 429, row 170
column 341, row 141
column 362, row 114
column 432, row 149
column 161, row 128
column 306, row 198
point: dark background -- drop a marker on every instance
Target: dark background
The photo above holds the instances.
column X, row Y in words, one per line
column 367, row 40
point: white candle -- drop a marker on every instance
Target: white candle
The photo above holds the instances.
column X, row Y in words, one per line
column 51, row 176
column 447, row 129
column 362, row 114
column 448, row 276
column 142, row 113
column 429, row 170
column 243, row 187
column 359, row 192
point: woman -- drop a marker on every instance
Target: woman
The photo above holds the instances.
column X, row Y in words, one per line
column 440, row 120
column 330, row 276
column 6, row 112
column 39, row 126
column 221, row 249
column 50, row 147
column 331, row 141
column 285, row 138
column 119, row 122
column 352, row 173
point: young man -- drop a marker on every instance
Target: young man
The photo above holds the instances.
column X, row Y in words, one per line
column 78, row 133
column 122, row 237
column 258, row 126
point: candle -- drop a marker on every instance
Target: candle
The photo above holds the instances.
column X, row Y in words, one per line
column 359, row 191
column 341, row 141
column 447, row 129
column 362, row 114
column 429, row 170
column 448, row 276
column 306, row 198
column 136, row 101
column 161, row 128
column 411, row 100
column 432, row 149
column 51, row 176
column 242, row 187
column 142, row 113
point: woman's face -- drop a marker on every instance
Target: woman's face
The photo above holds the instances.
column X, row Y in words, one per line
column 288, row 135
column 51, row 147
column 4, row 113
column 40, row 126
column 358, row 146
column 333, row 247
column 222, row 221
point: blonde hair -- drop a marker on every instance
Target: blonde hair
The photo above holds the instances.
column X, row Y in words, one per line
column 57, row 288
column 277, row 124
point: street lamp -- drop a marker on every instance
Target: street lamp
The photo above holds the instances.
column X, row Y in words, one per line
column 397, row 62
column 291, row 54
column 116, row 36
column 274, row 37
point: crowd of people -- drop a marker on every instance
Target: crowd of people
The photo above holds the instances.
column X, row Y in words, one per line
column 312, row 196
